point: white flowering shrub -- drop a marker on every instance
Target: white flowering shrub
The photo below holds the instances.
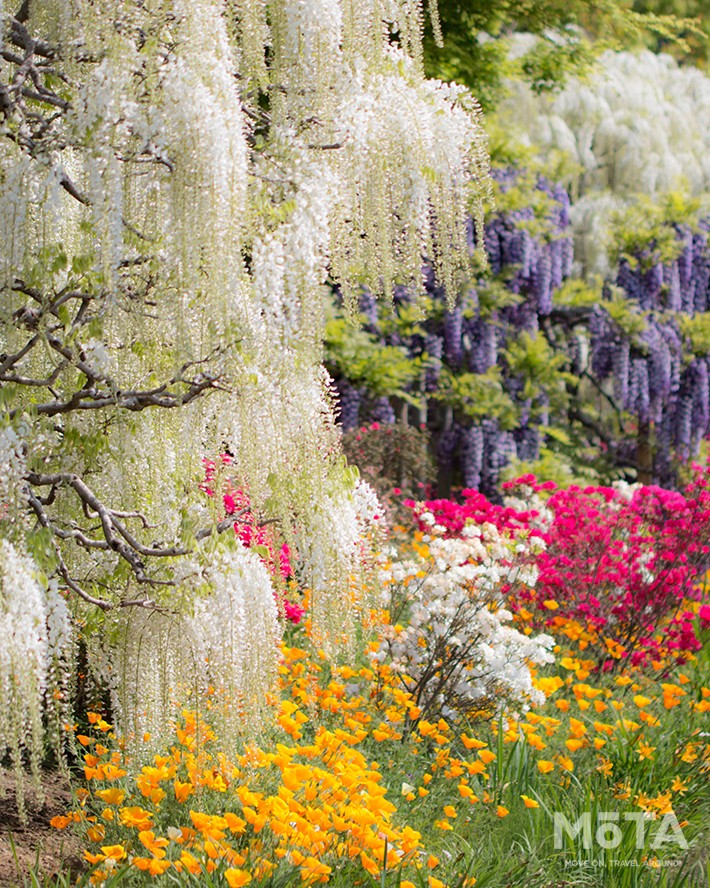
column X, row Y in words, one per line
column 448, row 634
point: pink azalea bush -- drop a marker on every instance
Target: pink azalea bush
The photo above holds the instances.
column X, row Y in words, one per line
column 626, row 565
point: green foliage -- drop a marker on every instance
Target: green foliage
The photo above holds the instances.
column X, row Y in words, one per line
column 408, row 319
column 494, row 295
column 532, row 359
column 556, row 56
column 507, row 150
column 622, row 313
column 572, row 33
column 478, row 396
column 577, row 293
column 524, row 194
column 647, row 226
column 565, row 465
column 480, row 64
column 383, row 369
column 695, row 45
column 695, row 329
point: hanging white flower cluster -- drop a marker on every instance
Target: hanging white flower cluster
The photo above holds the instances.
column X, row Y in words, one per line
column 23, row 657
column 171, row 223
column 35, row 634
column 36, row 641
column 355, row 521
column 639, row 124
column 402, row 153
column 449, row 637
column 220, row 655
column 12, row 470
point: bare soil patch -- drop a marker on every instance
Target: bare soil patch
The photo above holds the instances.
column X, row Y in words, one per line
column 37, row 844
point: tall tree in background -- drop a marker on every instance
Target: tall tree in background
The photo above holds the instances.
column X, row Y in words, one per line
column 535, row 369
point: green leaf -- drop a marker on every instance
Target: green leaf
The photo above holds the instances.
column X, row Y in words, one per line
column 648, row 226
column 384, row 370
column 478, row 396
column 622, row 312
column 557, row 434
column 82, row 263
column 576, row 293
column 696, row 331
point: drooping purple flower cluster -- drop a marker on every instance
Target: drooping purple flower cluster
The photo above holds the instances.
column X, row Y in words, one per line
column 647, row 370
column 349, row 400
column 453, row 337
column 692, row 411
column 471, row 338
column 654, row 374
column 480, row 342
column 682, row 284
column 382, row 411
column 481, row 451
column 535, row 266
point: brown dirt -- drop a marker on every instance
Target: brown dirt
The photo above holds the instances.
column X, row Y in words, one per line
column 37, row 845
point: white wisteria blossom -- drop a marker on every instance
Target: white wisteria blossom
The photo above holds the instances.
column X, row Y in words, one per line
column 449, row 636
column 179, row 181
column 220, row 651
column 640, row 123
column 36, row 639
column 12, row 473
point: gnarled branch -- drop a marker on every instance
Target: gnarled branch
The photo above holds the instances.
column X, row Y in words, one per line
column 116, row 536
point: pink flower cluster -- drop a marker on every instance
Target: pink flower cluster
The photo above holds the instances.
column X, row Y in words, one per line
column 625, row 564
column 253, row 534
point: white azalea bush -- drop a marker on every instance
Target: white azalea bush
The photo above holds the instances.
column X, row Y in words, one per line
column 448, row 634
